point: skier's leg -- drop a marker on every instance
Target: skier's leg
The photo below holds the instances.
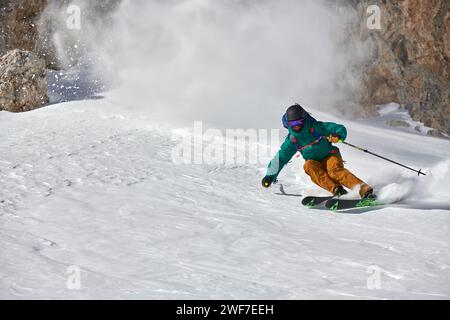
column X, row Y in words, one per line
column 336, row 170
column 318, row 174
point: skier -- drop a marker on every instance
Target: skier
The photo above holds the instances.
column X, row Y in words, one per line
column 323, row 161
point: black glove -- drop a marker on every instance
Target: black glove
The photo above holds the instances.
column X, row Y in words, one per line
column 266, row 182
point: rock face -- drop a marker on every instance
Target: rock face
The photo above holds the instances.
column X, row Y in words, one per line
column 409, row 61
column 18, row 28
column 23, row 83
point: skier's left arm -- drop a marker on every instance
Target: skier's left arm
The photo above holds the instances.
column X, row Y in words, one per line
column 287, row 151
column 332, row 129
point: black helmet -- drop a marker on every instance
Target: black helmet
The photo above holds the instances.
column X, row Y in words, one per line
column 295, row 112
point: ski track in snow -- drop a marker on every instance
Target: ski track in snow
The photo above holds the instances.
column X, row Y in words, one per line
column 84, row 185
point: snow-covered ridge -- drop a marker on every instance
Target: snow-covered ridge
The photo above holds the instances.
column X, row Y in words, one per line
column 396, row 116
column 89, row 185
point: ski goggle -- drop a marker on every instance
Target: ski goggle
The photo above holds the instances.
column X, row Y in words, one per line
column 296, row 123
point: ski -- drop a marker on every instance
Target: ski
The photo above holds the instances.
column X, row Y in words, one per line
column 312, row 201
column 343, row 204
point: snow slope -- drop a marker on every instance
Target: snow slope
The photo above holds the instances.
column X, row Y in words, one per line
column 86, row 184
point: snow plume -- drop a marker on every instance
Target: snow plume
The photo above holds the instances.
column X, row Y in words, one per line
column 435, row 183
column 77, row 31
column 231, row 62
column 73, row 37
column 236, row 63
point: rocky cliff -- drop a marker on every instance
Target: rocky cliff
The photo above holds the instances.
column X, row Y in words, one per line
column 409, row 59
column 23, row 83
column 18, row 24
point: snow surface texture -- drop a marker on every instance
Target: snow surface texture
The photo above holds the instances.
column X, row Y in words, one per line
column 86, row 185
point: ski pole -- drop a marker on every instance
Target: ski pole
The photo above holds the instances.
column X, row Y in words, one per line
column 376, row 155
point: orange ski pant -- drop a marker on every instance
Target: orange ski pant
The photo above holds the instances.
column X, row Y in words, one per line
column 330, row 173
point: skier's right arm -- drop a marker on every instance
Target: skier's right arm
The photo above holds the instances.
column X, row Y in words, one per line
column 287, row 151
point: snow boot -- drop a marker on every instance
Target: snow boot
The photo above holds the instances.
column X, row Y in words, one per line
column 339, row 191
column 366, row 192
